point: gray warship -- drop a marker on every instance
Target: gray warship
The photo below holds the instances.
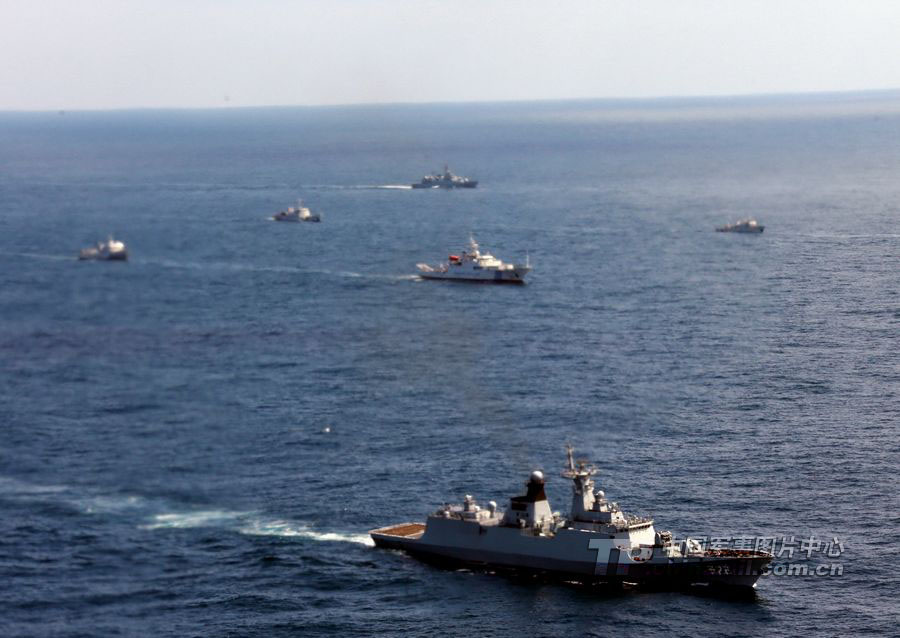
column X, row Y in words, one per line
column 445, row 180
column 742, row 226
column 597, row 544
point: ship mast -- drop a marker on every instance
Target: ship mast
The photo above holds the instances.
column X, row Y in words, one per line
column 581, row 471
column 583, row 488
column 473, row 246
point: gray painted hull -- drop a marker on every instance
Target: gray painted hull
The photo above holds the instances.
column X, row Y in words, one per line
column 498, row 278
column 469, row 184
column 119, row 256
column 491, row 276
column 567, row 556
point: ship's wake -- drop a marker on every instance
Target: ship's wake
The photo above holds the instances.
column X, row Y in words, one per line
column 259, row 527
column 72, row 257
column 250, row 524
column 155, row 514
column 250, row 267
column 358, row 187
column 237, row 267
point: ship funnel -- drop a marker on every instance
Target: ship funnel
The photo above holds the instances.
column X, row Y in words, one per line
column 535, row 487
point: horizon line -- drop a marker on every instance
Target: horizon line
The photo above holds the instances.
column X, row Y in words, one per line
column 714, row 97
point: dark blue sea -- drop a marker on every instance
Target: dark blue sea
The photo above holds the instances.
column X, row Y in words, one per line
column 196, row 442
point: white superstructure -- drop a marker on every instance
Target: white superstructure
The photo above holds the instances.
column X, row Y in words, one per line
column 475, row 265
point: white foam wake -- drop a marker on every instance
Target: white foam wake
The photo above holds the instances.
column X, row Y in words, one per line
column 250, row 524
column 242, row 267
column 85, row 501
column 109, row 504
column 15, row 487
column 284, row 528
column 72, row 257
column 187, row 520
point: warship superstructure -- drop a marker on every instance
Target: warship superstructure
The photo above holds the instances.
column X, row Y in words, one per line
column 596, row 544
column 475, row 265
column 445, row 180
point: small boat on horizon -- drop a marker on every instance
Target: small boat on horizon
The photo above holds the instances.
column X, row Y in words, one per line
column 743, row 226
column 109, row 250
column 299, row 214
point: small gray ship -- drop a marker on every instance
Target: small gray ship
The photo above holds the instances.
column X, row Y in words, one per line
column 596, row 544
column 445, row 180
column 742, row 226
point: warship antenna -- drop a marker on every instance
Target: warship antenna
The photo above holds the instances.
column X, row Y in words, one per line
column 579, row 470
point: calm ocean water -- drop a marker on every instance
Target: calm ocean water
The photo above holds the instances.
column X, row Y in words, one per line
column 165, row 467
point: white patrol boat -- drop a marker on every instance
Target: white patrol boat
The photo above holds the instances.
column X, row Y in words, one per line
column 596, row 544
column 742, row 226
column 474, row 265
column 299, row 214
column 109, row 250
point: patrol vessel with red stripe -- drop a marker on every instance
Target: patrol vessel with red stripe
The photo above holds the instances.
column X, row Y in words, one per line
column 475, row 265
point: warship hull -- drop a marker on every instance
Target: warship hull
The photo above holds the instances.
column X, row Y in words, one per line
column 103, row 253
column 469, row 184
column 483, row 276
column 119, row 256
column 755, row 229
column 568, row 555
column 311, row 218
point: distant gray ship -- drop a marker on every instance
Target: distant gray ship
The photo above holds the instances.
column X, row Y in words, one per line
column 742, row 226
column 596, row 544
column 445, row 180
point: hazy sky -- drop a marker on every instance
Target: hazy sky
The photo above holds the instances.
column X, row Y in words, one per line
column 72, row 54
